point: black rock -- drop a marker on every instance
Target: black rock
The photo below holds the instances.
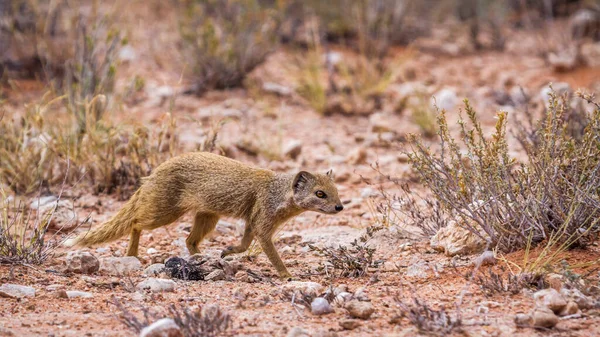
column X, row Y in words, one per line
column 179, row 268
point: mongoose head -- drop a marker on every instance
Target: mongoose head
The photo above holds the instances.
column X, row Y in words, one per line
column 316, row 192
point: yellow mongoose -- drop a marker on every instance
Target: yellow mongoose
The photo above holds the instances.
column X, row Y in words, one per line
column 211, row 186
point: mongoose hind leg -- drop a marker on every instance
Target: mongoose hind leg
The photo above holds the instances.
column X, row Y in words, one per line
column 134, row 241
column 204, row 223
column 243, row 246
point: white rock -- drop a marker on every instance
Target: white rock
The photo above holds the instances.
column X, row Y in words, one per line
column 81, row 262
column 157, row 285
column 341, row 298
column 75, row 294
column 379, row 123
column 292, row 149
column 310, row 288
column 165, row 327
column 151, row 251
column 154, row 269
column 583, row 301
column 445, row 99
column 127, row 54
column 559, row 88
column 102, row 250
column 16, row 291
column 357, row 156
column 454, row 240
column 278, row 89
column 120, row 266
column 418, row 270
column 523, row 320
column 320, row 306
column 551, row 299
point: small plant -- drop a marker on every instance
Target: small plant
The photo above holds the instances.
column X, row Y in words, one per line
column 551, row 198
column 207, row 321
column 492, row 283
column 427, row 319
column 352, row 261
column 36, row 149
column 23, row 232
column 224, row 40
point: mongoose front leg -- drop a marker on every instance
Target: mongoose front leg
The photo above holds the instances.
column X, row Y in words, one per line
column 269, row 248
column 243, row 246
column 204, row 223
column 134, row 241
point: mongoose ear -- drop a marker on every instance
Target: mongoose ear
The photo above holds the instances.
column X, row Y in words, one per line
column 330, row 173
column 301, row 180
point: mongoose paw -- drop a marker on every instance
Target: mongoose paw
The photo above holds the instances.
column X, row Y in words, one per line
column 287, row 277
column 227, row 251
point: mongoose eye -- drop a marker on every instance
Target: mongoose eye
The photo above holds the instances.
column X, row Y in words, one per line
column 321, row 194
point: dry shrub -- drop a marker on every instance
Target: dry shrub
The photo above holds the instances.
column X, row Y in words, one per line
column 437, row 322
column 224, row 40
column 207, row 321
column 71, row 44
column 341, row 83
column 23, row 230
column 553, row 197
column 500, row 282
column 37, row 148
column 369, row 27
column 350, row 261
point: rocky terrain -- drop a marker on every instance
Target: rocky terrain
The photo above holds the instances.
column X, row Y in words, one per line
column 412, row 285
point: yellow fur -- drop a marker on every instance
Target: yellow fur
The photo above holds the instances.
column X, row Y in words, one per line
column 212, row 186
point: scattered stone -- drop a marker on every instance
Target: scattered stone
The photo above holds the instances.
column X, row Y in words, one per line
column 454, row 240
column 445, row 99
column 127, row 53
column 102, row 250
column 216, row 275
column 154, row 269
column 362, row 310
column 120, row 266
column 312, row 289
column 565, row 59
column 570, row 309
column 379, row 123
column 156, row 285
column 417, row 270
column 297, row 332
column 165, row 327
column 361, row 294
column 277, row 89
column 544, row 318
column 151, row 251
column 350, row 324
column 74, row 294
column 583, row 302
column 555, row 281
column 16, row 291
column 320, row 306
column 341, row 298
column 486, row 258
column 55, row 287
column 81, row 263
column 357, row 156
column 63, row 214
column 292, row 149
column 242, row 276
column 551, row 299
column 523, row 320
column 560, row 88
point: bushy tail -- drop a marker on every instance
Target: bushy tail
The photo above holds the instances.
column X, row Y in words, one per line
column 117, row 227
